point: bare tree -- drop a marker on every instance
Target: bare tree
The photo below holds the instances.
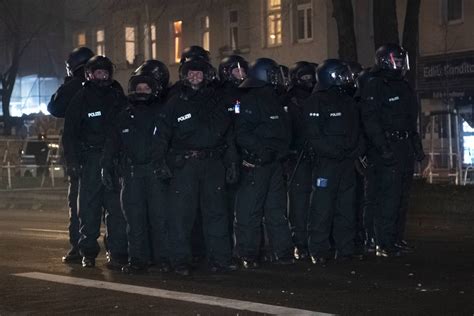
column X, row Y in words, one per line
column 17, row 35
column 410, row 36
column 385, row 22
column 344, row 15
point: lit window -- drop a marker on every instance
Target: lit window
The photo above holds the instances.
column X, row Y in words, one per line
column 130, row 44
column 153, row 41
column 100, row 41
column 205, row 32
column 178, row 40
column 234, row 29
column 304, row 26
column 81, row 39
column 273, row 22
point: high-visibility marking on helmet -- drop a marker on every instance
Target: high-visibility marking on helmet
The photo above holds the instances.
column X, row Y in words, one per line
column 125, row 130
column 274, row 117
column 335, row 114
column 314, row 114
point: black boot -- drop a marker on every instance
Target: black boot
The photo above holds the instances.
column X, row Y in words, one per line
column 88, row 262
column 73, row 256
column 182, row 270
column 134, row 268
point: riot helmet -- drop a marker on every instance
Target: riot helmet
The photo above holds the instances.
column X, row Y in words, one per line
column 76, row 60
column 103, row 78
column 143, row 88
column 334, row 73
column 233, row 69
column 194, row 52
column 197, row 73
column 263, row 71
column 158, row 71
column 303, row 75
column 393, row 58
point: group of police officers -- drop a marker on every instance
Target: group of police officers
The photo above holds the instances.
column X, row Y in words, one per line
column 237, row 165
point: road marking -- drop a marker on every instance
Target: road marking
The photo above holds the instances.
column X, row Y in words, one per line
column 45, row 230
column 173, row 295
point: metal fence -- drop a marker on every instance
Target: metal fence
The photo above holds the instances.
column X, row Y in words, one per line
column 21, row 168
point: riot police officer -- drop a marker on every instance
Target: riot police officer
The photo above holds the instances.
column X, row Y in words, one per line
column 194, row 52
column 232, row 72
column 57, row 107
column 390, row 115
column 332, row 126
column 132, row 140
column 195, row 129
column 303, row 80
column 262, row 134
column 366, row 168
column 88, row 117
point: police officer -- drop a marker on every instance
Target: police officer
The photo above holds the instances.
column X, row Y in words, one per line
column 194, row 52
column 360, row 165
column 196, row 126
column 88, row 117
column 57, row 107
column 262, row 134
column 390, row 117
column 332, row 125
column 366, row 168
column 303, row 80
column 232, row 72
column 132, row 140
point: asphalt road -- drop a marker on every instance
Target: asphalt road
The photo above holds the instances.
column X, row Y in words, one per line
column 438, row 279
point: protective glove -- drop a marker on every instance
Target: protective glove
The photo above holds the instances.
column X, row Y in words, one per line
column 162, row 171
column 107, row 179
column 73, row 171
column 232, row 174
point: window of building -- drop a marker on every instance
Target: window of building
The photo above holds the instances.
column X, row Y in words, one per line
column 273, row 21
column 154, row 53
column 31, row 94
column 100, row 42
column 149, row 41
column 234, row 29
column 452, row 11
column 130, row 44
column 304, row 22
column 178, row 40
column 81, row 39
column 205, row 32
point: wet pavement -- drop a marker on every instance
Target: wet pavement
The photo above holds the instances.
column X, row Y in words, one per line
column 437, row 279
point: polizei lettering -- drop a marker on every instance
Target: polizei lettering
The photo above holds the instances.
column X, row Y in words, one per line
column 94, row 114
column 184, row 117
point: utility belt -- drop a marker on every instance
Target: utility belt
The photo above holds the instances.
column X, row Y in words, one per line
column 257, row 160
column 199, row 154
column 137, row 170
column 396, row 136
